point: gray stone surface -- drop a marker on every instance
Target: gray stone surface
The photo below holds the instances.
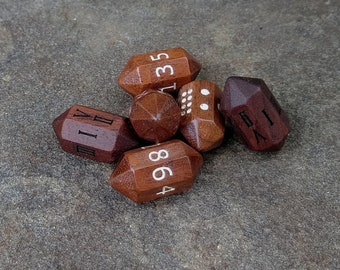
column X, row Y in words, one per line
column 246, row 210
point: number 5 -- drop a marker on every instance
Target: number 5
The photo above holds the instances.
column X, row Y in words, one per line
column 159, row 56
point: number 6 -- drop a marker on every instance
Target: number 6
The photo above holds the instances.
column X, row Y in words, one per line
column 162, row 170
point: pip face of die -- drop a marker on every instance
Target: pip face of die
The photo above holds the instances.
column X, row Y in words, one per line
column 93, row 134
column 202, row 125
column 165, row 70
column 156, row 171
column 254, row 113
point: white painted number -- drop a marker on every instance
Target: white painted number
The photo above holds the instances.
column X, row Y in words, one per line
column 159, row 56
column 163, row 70
column 161, row 154
column 165, row 189
column 168, row 87
column 162, row 171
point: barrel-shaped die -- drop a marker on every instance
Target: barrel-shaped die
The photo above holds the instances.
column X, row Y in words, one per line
column 202, row 125
column 94, row 134
column 156, row 171
column 165, row 70
column 254, row 113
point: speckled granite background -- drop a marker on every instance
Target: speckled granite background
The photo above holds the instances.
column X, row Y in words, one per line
column 247, row 210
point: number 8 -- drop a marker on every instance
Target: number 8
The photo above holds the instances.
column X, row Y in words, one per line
column 161, row 154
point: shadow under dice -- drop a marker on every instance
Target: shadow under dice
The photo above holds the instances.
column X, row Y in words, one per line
column 254, row 113
column 202, row 125
column 93, row 134
column 156, row 171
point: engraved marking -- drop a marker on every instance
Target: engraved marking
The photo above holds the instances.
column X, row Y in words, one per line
column 246, row 119
column 163, row 70
column 268, row 118
column 204, row 107
column 149, row 146
column 82, row 114
column 87, row 134
column 95, row 118
column 165, row 189
column 159, row 56
column 258, row 136
column 161, row 154
column 85, row 151
column 205, row 92
column 163, row 174
column 168, row 87
column 103, row 120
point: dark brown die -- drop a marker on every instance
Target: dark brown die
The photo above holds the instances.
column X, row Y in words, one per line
column 202, row 125
column 93, row 134
column 254, row 113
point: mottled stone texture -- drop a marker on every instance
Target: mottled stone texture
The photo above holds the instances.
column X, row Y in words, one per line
column 246, row 210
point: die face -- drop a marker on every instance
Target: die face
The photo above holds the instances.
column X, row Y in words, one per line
column 156, row 171
column 93, row 134
column 155, row 116
column 165, row 70
column 202, row 125
column 122, row 179
column 254, row 113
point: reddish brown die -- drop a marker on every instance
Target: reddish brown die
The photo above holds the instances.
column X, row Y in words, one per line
column 93, row 134
column 156, row 171
column 165, row 70
column 155, row 116
column 254, row 113
column 202, row 125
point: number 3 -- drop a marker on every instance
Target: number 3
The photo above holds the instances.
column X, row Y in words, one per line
column 162, row 69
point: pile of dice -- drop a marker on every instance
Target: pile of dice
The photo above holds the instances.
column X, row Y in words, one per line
column 169, row 102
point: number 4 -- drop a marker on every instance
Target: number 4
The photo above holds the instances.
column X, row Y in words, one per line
column 165, row 189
